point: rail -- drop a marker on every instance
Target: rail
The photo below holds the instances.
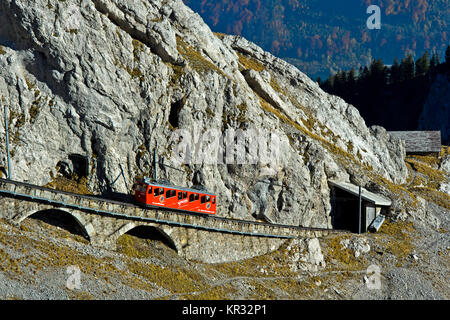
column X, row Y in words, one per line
column 130, row 211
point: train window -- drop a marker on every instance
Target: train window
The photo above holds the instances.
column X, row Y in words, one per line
column 203, row 199
column 159, row 191
column 214, row 200
column 208, row 198
column 170, row 193
column 180, row 195
column 191, row 197
column 184, row 195
column 196, row 197
column 149, row 190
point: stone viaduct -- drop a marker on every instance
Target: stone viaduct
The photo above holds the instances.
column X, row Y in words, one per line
column 196, row 237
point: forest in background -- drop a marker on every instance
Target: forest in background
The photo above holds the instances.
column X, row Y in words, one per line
column 391, row 96
column 321, row 37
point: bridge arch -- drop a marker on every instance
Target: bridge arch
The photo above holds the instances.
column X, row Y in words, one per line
column 147, row 232
column 68, row 220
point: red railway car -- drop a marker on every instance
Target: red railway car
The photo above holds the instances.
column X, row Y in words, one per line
column 153, row 194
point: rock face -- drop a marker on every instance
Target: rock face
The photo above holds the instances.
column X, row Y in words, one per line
column 107, row 81
column 436, row 110
column 305, row 255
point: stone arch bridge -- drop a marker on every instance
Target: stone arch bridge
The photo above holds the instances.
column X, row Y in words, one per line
column 203, row 238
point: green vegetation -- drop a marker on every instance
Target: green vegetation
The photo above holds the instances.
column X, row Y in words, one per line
column 399, row 90
column 75, row 184
column 427, row 178
column 321, row 37
column 195, row 59
column 249, row 63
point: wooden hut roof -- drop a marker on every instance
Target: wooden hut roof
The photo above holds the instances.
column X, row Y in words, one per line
column 420, row 141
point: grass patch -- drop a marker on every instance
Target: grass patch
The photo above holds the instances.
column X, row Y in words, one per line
column 249, row 63
column 131, row 247
column 339, row 259
column 74, row 185
column 199, row 63
column 433, row 177
column 174, row 279
column 219, row 35
column 396, row 238
column 440, row 198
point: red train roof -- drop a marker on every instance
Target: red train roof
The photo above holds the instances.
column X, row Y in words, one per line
column 167, row 185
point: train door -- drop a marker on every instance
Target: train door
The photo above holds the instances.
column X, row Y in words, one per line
column 213, row 204
column 158, row 196
column 194, row 201
column 206, row 203
column 171, row 198
column 140, row 192
column 182, row 200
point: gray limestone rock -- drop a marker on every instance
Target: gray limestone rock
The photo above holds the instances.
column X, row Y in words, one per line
column 108, row 80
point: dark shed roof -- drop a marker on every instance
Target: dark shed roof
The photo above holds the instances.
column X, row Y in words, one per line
column 420, row 141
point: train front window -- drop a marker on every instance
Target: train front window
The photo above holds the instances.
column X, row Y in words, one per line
column 214, row 200
column 208, row 198
column 141, row 188
column 159, row 191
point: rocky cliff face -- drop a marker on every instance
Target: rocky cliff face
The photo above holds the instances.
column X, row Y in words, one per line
column 436, row 110
column 108, row 80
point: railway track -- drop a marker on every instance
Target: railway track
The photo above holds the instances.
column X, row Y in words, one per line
column 127, row 210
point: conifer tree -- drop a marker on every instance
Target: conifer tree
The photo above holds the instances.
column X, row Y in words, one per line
column 407, row 68
column 447, row 58
column 423, row 65
column 395, row 72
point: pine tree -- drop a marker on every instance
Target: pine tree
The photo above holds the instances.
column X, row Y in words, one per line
column 394, row 72
column 407, row 68
column 340, row 83
column 447, row 58
column 434, row 63
column 319, row 81
column 328, row 85
column 378, row 73
column 423, row 65
column 447, row 55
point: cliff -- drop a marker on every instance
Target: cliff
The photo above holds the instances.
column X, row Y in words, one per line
column 107, row 81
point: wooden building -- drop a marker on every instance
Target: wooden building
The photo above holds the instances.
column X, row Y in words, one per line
column 345, row 207
column 420, row 142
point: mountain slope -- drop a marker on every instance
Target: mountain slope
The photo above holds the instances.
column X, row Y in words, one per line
column 108, row 81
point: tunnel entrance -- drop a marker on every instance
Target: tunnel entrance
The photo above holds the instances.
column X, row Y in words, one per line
column 344, row 209
column 175, row 112
column 345, row 214
column 80, row 165
column 75, row 167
